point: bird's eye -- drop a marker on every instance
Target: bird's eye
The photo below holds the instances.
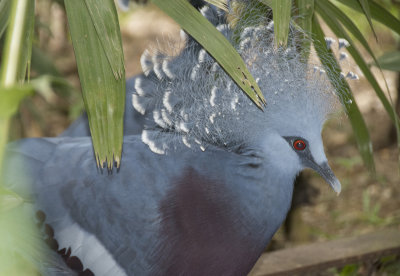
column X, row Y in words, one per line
column 299, row 145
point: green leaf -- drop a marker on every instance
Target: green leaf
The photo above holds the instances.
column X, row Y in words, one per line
column 105, row 21
column 18, row 45
column 365, row 6
column 10, row 98
column 331, row 20
column 343, row 89
column 281, row 10
column 378, row 13
column 219, row 3
column 215, row 43
column 4, row 14
column 306, row 12
column 15, row 60
column 8, row 199
column 390, row 61
column 335, row 26
column 97, row 45
column 329, row 8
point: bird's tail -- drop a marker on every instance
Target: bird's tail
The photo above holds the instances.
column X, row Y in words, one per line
column 21, row 241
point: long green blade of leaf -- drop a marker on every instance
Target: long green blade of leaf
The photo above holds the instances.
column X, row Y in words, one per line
column 365, row 6
column 378, row 13
column 4, row 14
column 16, row 55
column 329, row 8
column 335, row 26
column 215, row 43
column 343, row 89
column 17, row 50
column 390, row 61
column 108, row 34
column 281, row 10
column 219, row 3
column 331, row 20
column 97, row 45
column 306, row 11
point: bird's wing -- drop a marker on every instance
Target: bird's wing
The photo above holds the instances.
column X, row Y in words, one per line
column 105, row 222
column 91, row 213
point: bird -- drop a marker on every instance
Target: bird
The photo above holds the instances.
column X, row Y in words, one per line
column 207, row 182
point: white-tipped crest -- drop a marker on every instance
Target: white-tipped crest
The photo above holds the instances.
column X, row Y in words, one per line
column 201, row 104
column 343, row 43
column 329, row 42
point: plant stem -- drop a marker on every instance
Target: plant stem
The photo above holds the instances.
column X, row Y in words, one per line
column 15, row 55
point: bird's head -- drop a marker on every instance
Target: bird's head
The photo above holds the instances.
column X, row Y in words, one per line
column 192, row 97
column 294, row 118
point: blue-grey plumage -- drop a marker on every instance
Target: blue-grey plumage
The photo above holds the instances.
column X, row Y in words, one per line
column 188, row 212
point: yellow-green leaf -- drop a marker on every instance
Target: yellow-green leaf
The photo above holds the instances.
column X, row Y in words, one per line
column 8, row 199
column 215, row 43
column 97, row 45
column 10, row 98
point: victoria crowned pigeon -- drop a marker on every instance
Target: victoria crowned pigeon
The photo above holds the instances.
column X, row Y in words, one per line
column 208, row 182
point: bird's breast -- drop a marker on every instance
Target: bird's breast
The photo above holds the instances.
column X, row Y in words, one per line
column 201, row 232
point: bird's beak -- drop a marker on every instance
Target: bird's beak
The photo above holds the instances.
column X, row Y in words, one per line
column 326, row 172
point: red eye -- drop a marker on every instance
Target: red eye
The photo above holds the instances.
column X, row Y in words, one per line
column 299, row 145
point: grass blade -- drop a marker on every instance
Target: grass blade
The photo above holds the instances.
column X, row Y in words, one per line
column 329, row 8
column 332, row 22
column 108, row 34
column 18, row 47
column 390, row 61
column 97, row 45
column 16, row 55
column 219, row 3
column 215, row 43
column 365, row 6
column 306, row 11
column 378, row 13
column 281, row 10
column 343, row 89
column 335, row 26
column 4, row 13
